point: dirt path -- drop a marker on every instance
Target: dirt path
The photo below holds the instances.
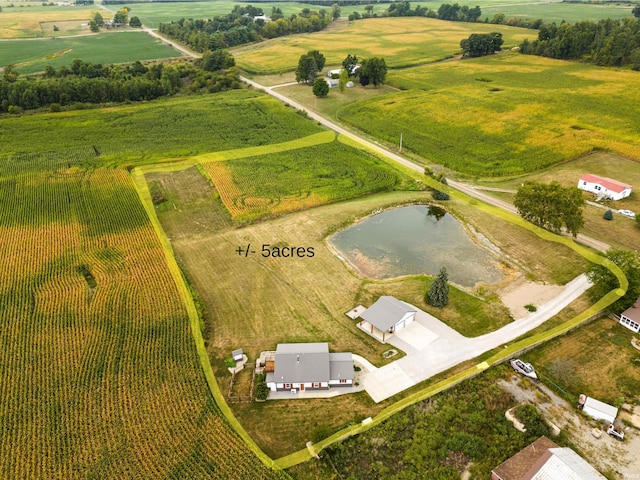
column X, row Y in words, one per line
column 605, row 453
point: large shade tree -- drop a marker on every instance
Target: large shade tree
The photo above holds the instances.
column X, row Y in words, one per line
column 604, row 280
column 551, row 206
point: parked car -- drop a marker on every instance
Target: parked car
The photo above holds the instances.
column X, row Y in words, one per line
column 615, row 432
column 627, row 213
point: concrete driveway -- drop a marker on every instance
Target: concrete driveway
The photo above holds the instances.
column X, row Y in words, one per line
column 432, row 347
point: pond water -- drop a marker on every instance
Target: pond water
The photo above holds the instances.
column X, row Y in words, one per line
column 418, row 239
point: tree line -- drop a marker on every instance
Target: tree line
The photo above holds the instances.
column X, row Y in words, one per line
column 241, row 26
column 85, row 82
column 607, row 42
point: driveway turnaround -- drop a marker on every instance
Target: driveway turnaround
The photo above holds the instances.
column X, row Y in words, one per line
column 432, row 347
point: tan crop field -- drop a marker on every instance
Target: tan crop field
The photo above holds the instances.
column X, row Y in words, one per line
column 401, row 41
column 26, row 22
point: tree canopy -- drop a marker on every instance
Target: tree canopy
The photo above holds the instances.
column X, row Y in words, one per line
column 320, row 87
column 372, row 70
column 604, row 281
column 551, row 206
column 480, row 44
column 438, row 295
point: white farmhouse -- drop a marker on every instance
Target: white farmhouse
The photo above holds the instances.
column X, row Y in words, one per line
column 630, row 318
column 604, row 187
column 309, row 366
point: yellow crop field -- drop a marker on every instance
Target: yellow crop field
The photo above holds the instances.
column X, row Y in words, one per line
column 99, row 374
column 401, row 41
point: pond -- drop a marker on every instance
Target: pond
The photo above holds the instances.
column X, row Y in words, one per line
column 418, row 239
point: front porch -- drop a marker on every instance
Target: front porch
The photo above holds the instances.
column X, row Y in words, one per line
column 372, row 331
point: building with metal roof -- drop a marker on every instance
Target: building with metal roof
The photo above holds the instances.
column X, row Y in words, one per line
column 386, row 316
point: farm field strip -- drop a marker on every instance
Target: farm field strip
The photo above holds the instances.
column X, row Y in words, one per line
column 25, row 21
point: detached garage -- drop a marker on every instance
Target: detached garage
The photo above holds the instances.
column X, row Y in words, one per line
column 600, row 410
column 387, row 316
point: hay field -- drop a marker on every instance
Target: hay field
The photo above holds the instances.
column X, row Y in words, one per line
column 402, row 42
column 505, row 114
column 24, row 21
column 99, row 377
column 114, row 47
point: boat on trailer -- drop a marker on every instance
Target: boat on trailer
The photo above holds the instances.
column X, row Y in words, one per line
column 524, row 368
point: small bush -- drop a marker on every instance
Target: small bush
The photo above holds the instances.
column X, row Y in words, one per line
column 229, row 362
column 55, row 107
column 531, row 307
column 608, row 215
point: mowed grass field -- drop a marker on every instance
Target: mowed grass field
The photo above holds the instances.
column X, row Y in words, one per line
column 114, row 47
column 298, row 179
column 256, row 302
column 557, row 11
column 99, row 377
column 24, row 21
column 164, row 129
column 402, row 42
column 505, row 114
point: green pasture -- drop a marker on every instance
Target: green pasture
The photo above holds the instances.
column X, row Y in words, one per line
column 402, row 42
column 505, row 114
column 152, row 14
column 24, row 20
column 557, row 11
column 115, row 47
column 163, row 129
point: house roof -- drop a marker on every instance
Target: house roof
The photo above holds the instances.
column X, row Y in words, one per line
column 633, row 312
column 341, row 366
column 302, row 362
column 386, row 312
column 564, row 464
column 516, row 467
column 608, row 183
column 605, row 408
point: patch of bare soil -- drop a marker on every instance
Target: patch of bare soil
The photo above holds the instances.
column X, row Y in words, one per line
column 521, row 292
column 610, row 456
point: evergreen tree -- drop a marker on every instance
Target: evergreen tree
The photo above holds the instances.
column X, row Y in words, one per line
column 438, row 295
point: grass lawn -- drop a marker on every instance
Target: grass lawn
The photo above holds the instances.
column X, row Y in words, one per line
column 621, row 231
column 558, row 11
column 505, row 114
column 597, row 360
column 24, row 21
column 402, row 42
column 113, row 47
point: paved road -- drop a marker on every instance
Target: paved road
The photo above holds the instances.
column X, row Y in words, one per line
column 432, row 347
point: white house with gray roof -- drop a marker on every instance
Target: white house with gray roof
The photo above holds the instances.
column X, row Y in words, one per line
column 309, row 366
column 387, row 316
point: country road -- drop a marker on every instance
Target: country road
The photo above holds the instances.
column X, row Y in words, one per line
column 462, row 187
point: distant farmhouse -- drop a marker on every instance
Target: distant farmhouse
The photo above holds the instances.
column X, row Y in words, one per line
column 386, row 317
column 604, row 187
column 630, row 318
column 544, row 460
column 309, row 366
